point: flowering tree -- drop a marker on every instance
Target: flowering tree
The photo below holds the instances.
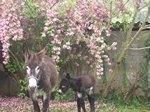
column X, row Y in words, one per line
column 80, row 21
column 68, row 23
column 10, row 27
column 76, row 30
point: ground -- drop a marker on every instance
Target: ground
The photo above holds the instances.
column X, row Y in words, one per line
column 14, row 104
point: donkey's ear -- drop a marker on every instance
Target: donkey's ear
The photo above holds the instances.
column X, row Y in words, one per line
column 27, row 55
column 42, row 52
column 67, row 75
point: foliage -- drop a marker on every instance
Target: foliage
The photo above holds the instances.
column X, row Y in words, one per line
column 15, row 64
column 12, row 67
column 128, row 39
column 122, row 22
column 124, row 16
column 79, row 23
column 68, row 96
column 66, row 27
column 67, row 23
column 124, row 13
column 23, row 88
column 30, row 9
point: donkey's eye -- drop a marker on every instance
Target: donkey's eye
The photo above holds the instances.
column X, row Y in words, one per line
column 28, row 70
column 37, row 69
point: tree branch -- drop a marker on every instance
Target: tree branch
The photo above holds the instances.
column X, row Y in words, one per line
column 130, row 39
column 142, row 48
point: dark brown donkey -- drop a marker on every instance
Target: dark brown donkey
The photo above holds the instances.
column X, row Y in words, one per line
column 42, row 77
column 82, row 85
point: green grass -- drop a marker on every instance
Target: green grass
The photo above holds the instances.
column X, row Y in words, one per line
column 125, row 108
column 110, row 108
column 117, row 104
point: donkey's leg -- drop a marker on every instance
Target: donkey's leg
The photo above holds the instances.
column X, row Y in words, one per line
column 91, row 101
column 83, row 104
column 35, row 102
column 46, row 98
column 80, row 100
column 36, row 106
column 79, row 104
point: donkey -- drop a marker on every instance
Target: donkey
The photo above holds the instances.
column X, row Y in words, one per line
column 42, row 77
column 82, row 85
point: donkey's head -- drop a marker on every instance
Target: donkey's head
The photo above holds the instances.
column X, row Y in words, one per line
column 33, row 62
column 64, row 84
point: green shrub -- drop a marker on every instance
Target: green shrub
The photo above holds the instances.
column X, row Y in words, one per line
column 68, row 96
column 23, row 88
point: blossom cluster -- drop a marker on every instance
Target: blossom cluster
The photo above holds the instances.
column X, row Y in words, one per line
column 57, row 27
column 85, row 21
column 10, row 28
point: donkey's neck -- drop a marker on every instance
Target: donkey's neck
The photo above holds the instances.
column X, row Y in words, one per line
column 40, row 84
column 43, row 81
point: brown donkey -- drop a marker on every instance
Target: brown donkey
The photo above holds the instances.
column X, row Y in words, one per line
column 42, row 77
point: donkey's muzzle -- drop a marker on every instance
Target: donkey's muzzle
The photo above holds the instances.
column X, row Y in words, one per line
column 32, row 88
column 32, row 83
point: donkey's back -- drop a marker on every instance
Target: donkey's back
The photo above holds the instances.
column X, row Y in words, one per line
column 50, row 71
column 86, row 81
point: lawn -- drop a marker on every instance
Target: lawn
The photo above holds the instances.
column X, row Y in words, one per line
column 25, row 105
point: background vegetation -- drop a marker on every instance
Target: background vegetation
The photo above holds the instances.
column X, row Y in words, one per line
column 83, row 37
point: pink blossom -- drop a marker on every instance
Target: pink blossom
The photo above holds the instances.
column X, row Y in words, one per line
column 10, row 28
column 84, row 22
